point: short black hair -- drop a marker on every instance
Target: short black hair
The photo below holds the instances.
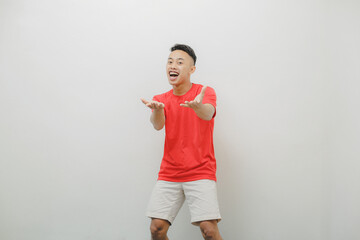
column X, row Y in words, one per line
column 186, row 49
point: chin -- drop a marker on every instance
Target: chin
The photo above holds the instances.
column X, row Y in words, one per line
column 174, row 83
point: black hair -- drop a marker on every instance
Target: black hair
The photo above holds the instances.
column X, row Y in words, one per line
column 186, row 49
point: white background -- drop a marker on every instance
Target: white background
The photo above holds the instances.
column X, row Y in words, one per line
column 79, row 157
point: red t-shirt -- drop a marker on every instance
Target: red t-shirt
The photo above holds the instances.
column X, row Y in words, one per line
column 189, row 150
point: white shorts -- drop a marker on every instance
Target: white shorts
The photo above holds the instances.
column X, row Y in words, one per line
column 168, row 197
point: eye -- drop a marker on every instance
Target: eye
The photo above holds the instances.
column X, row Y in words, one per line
column 180, row 63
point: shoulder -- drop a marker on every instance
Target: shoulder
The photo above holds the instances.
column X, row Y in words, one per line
column 209, row 90
column 162, row 96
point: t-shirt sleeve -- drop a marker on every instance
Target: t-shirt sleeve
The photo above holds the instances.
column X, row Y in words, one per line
column 210, row 97
column 157, row 98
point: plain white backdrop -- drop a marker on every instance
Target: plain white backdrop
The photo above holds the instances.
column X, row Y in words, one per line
column 79, row 157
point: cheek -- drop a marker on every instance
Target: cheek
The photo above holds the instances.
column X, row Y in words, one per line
column 187, row 71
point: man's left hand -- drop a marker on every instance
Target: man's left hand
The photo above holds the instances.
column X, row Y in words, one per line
column 197, row 102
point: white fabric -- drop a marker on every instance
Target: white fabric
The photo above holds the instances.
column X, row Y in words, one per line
column 168, row 197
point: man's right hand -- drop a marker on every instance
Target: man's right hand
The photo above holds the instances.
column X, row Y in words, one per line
column 153, row 104
column 157, row 117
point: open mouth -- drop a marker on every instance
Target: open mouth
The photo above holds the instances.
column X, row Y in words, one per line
column 173, row 75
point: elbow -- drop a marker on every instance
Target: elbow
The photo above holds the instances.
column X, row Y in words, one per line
column 158, row 125
column 208, row 113
column 207, row 118
column 158, row 128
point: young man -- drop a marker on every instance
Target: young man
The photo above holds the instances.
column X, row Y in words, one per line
column 188, row 167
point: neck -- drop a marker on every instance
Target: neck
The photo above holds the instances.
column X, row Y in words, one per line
column 182, row 89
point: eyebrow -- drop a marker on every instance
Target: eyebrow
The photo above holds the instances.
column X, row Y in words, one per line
column 177, row 58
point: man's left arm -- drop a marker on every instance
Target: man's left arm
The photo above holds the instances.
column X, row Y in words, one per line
column 204, row 111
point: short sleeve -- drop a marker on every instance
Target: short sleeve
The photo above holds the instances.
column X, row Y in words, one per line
column 210, row 97
column 156, row 98
column 159, row 98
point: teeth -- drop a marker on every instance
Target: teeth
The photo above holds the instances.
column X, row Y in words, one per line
column 173, row 74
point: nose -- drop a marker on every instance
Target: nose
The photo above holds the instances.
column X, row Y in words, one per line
column 172, row 65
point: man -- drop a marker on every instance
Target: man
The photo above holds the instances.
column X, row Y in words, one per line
column 188, row 167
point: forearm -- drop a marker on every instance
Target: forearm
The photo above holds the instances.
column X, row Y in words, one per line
column 205, row 111
column 157, row 118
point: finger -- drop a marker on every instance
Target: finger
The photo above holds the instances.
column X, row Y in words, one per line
column 184, row 105
column 191, row 104
column 202, row 93
column 158, row 105
column 155, row 105
column 144, row 101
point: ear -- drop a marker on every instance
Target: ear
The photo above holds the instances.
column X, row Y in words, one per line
column 192, row 69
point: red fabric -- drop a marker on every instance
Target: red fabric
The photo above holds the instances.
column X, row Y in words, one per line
column 189, row 150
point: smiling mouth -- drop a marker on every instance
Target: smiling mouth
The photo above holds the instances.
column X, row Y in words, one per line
column 173, row 75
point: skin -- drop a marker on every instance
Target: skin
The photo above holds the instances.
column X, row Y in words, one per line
column 160, row 227
column 181, row 63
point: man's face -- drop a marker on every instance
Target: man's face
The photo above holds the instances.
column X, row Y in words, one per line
column 179, row 67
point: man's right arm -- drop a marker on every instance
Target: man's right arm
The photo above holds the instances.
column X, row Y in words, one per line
column 157, row 117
